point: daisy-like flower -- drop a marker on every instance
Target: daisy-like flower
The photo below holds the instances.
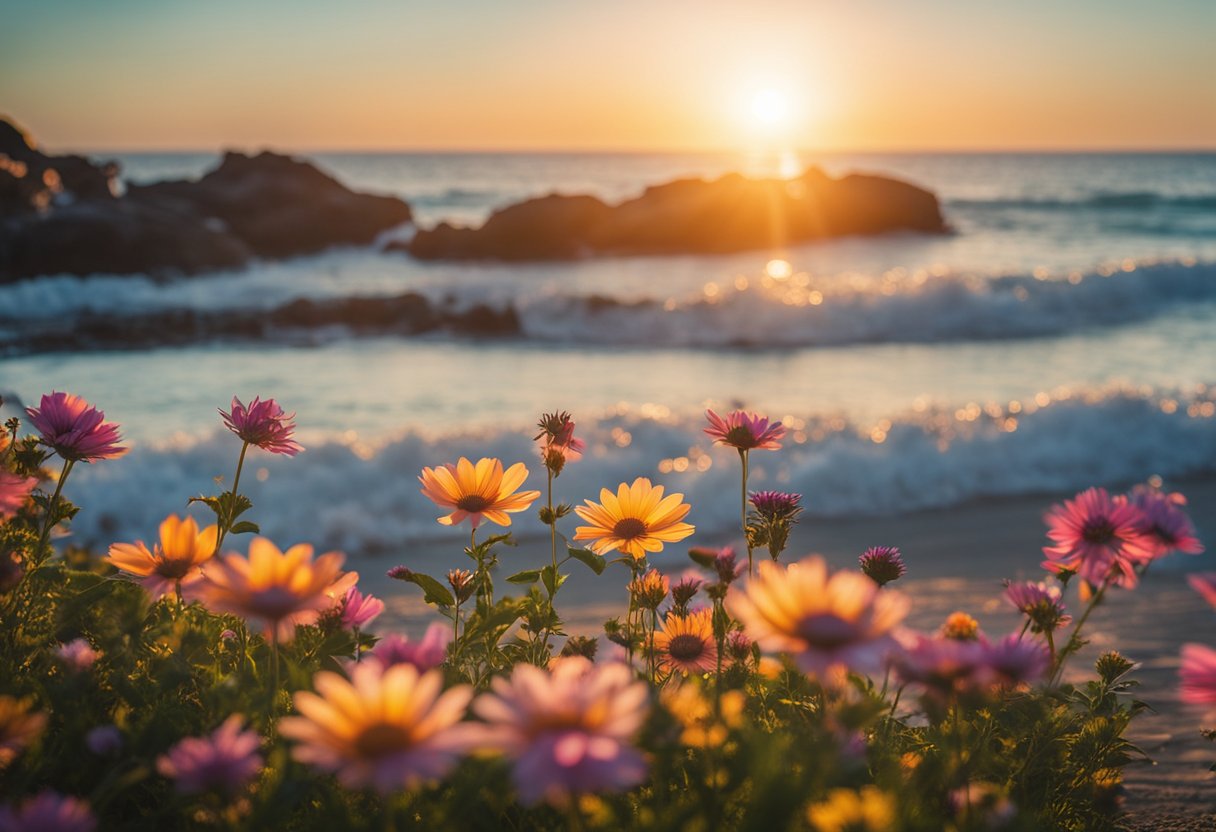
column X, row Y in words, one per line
column 1205, row 584
column 20, row 725
column 1013, row 661
column 282, row 589
column 1198, row 675
column 1099, row 538
column 174, row 559
column 635, row 520
column 1165, row 520
column 845, row 810
column 882, row 564
column 387, row 727
column 264, row 424
column 14, row 491
column 359, row 610
column 776, row 506
column 1040, row 603
column 223, row 762
column 827, row 623
column 568, row 730
column 428, row 653
column 649, row 589
column 557, row 442
column 744, row 431
column 75, row 429
column 961, row 627
column 477, row 492
column 686, row 643
column 77, row 655
column 944, row 666
column 48, row 811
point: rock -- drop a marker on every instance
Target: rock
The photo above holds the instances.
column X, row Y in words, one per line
column 690, row 216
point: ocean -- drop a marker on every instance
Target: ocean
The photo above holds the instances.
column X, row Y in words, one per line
column 1064, row 334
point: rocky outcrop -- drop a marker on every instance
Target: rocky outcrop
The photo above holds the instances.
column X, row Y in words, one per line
column 690, row 216
column 65, row 214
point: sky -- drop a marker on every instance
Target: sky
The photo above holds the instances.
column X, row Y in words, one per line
column 624, row 75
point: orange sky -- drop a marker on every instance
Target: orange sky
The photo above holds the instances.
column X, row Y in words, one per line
column 535, row 74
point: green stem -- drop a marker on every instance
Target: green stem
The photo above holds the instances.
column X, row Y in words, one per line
column 49, row 523
column 274, row 665
column 553, row 547
column 743, row 515
column 1071, row 646
column 227, row 522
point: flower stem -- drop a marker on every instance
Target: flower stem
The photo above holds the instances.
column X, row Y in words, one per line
column 743, row 515
column 227, row 522
column 49, row 523
column 274, row 665
column 1072, row 645
column 553, row 546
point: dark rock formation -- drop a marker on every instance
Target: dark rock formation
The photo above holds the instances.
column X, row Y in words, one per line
column 62, row 214
column 690, row 216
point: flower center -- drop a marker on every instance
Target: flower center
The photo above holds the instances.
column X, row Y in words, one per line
column 1098, row 531
column 826, row 631
column 472, row 503
column 174, row 570
column 685, row 648
column 628, row 528
column 381, row 739
column 741, row 437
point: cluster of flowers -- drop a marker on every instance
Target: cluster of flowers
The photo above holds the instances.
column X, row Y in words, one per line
column 394, row 720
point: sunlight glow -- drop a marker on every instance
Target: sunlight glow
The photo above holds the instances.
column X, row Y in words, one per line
column 771, row 108
column 778, row 269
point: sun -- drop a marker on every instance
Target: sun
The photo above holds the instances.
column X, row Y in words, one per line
column 770, row 108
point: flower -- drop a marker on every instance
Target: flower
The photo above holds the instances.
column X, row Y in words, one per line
column 568, row 730
column 359, row 610
column 14, row 491
column 461, row 582
column 649, row 589
column 481, row 491
column 264, row 424
column 701, row 729
column 827, row 623
column 1012, row 661
column 774, row 515
column 387, row 727
column 1164, row 520
column 1198, row 675
column 1205, row 584
column 635, row 520
column 20, row 725
column 77, row 655
column 776, row 506
column 686, row 643
column 1099, row 538
column 845, row 810
column 684, row 590
column 943, row 665
column 282, row 589
column 104, row 740
column 744, row 431
column 1040, row 603
column 739, row 647
column 882, row 564
column 430, row 652
column 961, row 627
column 399, row 573
column 557, row 442
column 48, row 811
column 223, row 762
column 173, row 560
column 75, row 429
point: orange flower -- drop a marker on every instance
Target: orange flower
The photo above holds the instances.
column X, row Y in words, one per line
column 481, row 491
column 636, row 520
column 686, row 643
column 20, row 725
column 175, row 558
column 283, row 589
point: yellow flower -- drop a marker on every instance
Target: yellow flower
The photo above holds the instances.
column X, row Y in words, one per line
column 961, row 627
column 387, row 728
column 283, row 589
column 635, row 520
column 477, row 492
column 20, row 725
column 686, row 643
column 650, row 589
column 688, row 704
column 176, row 557
column 869, row 810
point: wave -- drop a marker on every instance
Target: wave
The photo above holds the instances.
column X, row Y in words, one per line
column 361, row 498
column 1099, row 200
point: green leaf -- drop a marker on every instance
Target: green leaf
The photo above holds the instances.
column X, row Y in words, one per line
column 595, row 562
column 552, row 579
column 433, row 591
column 528, row 576
column 245, row 527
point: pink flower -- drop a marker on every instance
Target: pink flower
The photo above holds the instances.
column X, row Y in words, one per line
column 943, row 665
column 1205, row 584
column 882, row 564
column 359, row 610
column 1012, row 661
column 77, row 655
column 722, row 561
column 75, row 429
column 1099, row 538
column 1164, row 520
column 557, row 442
column 428, row 653
column 48, row 812
column 14, row 491
column 223, row 762
column 567, row 730
column 1198, row 675
column 1038, row 602
column 744, row 431
column 264, row 424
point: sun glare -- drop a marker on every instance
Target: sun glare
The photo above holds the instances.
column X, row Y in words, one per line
column 770, row 108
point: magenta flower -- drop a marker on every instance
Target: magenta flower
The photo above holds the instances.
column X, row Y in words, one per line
column 744, row 431
column 557, row 442
column 775, row 506
column 882, row 564
column 1198, row 675
column 104, row 740
column 14, row 491
column 428, row 653
column 1099, row 538
column 722, row 561
column 942, row 665
column 1205, row 584
column 1165, row 520
column 77, row 655
column 264, row 424
column 359, row 610
column 75, row 429
column 223, row 762
column 1040, row 603
column 1012, row 661
column 568, row 730
column 48, row 812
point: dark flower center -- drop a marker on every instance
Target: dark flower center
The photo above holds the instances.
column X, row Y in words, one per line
column 173, row 569
column 1098, row 531
column 628, row 528
column 826, row 631
column 741, row 437
column 686, row 648
column 381, row 739
column 472, row 503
